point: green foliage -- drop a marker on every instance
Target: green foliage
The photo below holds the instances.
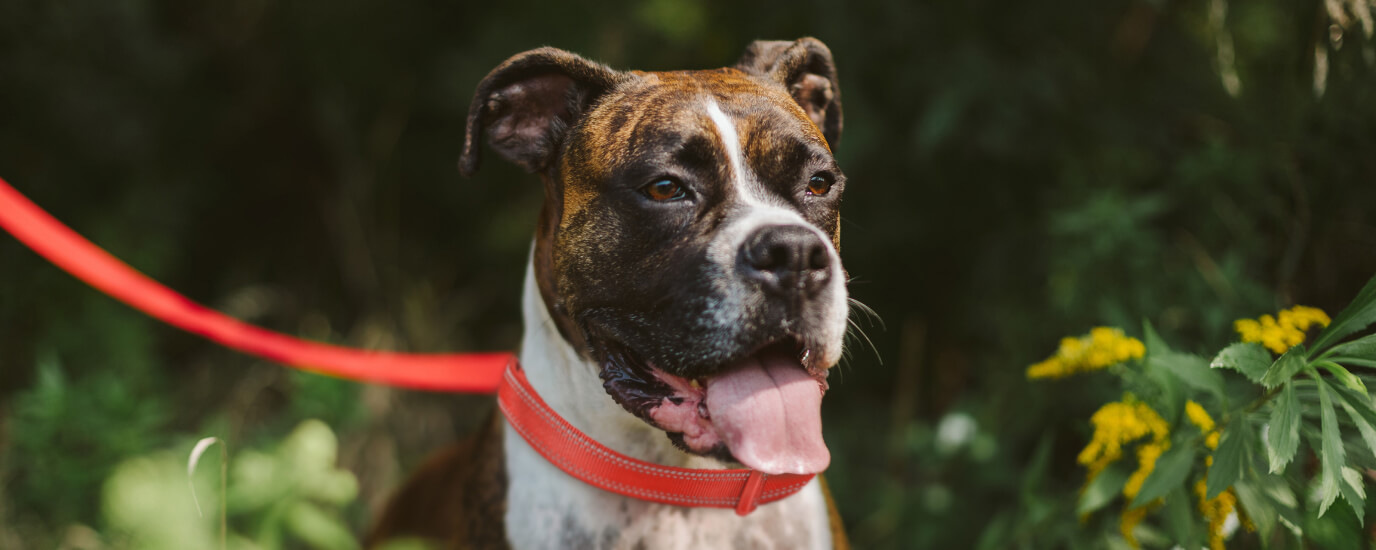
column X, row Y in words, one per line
column 287, row 498
column 1283, row 432
column 1302, row 402
column 71, row 432
column 1248, row 358
column 1234, row 448
column 1360, row 314
column 1170, row 473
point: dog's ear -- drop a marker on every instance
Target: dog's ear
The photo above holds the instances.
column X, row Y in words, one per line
column 806, row 69
column 526, row 105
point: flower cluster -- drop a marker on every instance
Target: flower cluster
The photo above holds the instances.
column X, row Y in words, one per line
column 1201, row 419
column 1217, row 509
column 1103, row 346
column 1284, row 331
column 1119, row 424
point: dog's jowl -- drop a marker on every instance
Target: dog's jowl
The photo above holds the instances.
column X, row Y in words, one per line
column 684, row 303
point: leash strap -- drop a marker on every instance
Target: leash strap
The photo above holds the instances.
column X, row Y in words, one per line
column 452, row 372
column 557, row 440
column 593, row 463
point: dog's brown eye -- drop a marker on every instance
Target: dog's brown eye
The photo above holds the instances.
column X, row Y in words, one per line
column 820, row 184
column 664, row 190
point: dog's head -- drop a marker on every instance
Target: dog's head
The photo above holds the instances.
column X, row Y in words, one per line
column 688, row 242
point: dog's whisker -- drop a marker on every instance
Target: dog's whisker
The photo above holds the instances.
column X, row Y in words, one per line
column 853, row 330
column 857, row 305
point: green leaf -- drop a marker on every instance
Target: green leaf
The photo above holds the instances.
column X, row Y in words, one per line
column 1284, row 368
column 1152, row 341
column 1332, row 457
column 1369, row 363
column 1358, row 314
column 1227, row 466
column 1358, row 407
column 1260, row 508
column 319, row 529
column 1343, row 375
column 1103, row 489
column 1364, row 347
column 1179, row 519
column 1250, row 359
column 1163, row 391
column 1193, row 370
column 1170, row 472
column 1353, row 492
column 1283, row 431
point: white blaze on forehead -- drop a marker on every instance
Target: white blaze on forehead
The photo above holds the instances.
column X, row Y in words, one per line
column 763, row 210
column 730, row 138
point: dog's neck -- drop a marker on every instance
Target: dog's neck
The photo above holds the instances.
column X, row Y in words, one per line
column 569, row 383
column 547, row 508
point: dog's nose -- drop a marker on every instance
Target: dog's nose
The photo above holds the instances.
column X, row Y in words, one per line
column 786, row 259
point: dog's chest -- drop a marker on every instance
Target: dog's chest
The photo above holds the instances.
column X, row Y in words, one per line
column 549, row 509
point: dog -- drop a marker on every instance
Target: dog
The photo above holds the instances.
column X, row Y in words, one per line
column 683, row 303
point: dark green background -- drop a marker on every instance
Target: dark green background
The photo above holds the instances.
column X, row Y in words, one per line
column 1018, row 171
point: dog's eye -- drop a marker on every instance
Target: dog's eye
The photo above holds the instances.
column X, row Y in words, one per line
column 820, row 184
column 664, row 190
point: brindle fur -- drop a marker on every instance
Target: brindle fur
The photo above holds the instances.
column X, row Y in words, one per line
column 609, row 265
column 457, row 496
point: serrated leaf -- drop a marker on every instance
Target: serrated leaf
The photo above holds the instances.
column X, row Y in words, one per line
column 1284, row 368
column 1193, row 370
column 1258, row 507
column 1170, row 472
column 1227, row 466
column 1103, row 489
column 1364, row 347
column 1361, row 420
column 1287, row 504
column 1344, row 376
column 1283, row 431
column 1356, row 316
column 1250, row 359
column 1332, row 457
column 1353, row 492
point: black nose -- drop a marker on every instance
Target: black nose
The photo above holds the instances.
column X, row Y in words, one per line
column 786, row 259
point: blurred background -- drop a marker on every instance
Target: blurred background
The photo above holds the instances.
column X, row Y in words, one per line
column 1018, row 171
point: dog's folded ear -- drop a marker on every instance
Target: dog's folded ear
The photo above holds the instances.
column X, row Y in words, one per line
column 806, row 69
column 526, row 105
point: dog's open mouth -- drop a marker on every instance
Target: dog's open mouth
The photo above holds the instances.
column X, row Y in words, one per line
column 763, row 410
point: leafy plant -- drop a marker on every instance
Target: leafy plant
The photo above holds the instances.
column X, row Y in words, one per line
column 1245, row 469
column 289, row 497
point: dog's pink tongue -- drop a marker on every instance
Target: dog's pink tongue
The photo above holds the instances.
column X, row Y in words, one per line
column 770, row 413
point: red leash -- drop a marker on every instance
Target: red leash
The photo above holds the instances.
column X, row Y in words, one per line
column 452, row 372
column 553, row 437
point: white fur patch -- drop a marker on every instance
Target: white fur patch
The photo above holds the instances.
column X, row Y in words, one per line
column 548, row 509
column 763, row 211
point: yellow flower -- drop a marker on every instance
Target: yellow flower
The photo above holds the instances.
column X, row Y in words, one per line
column 1129, row 522
column 1103, row 346
column 1284, row 331
column 1199, row 417
column 1216, row 511
column 1118, row 424
column 1147, row 453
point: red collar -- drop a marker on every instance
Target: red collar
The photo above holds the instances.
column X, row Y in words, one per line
column 593, row 463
